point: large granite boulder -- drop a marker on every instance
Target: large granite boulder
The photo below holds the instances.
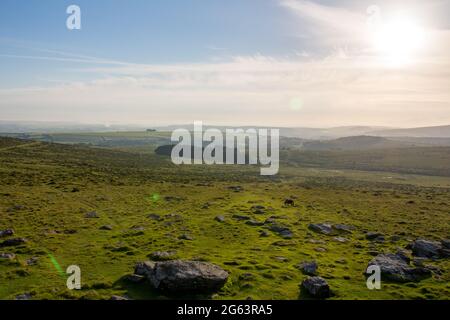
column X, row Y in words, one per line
column 395, row 267
column 179, row 276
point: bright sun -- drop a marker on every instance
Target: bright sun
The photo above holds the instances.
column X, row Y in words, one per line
column 398, row 40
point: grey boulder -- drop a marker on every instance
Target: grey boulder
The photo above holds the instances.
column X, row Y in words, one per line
column 395, row 267
column 429, row 249
column 316, row 287
column 179, row 276
column 321, row 228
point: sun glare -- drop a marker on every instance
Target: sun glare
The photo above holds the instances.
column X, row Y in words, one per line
column 399, row 40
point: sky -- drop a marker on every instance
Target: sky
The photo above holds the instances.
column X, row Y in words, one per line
column 235, row 62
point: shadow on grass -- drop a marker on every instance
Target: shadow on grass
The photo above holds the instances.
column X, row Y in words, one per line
column 144, row 291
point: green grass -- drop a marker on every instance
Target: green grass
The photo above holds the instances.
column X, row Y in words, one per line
column 120, row 186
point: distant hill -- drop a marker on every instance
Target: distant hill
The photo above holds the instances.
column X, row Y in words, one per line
column 432, row 132
column 355, row 143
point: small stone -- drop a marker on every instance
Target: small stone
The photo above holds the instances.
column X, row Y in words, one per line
column 185, row 237
column 13, row 242
column 162, row 255
column 154, row 216
column 374, row 236
column 343, row 228
column 240, row 217
column 8, row 256
column 263, row 234
column 254, row 223
column 32, row 261
column 106, row 227
column 316, row 287
column 220, row 218
column 340, row 239
column 91, row 215
column 321, row 228
column 308, row 267
column 6, row 233
column 24, row 296
column 281, row 259
column 283, row 231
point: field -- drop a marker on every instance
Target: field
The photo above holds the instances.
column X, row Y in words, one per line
column 46, row 190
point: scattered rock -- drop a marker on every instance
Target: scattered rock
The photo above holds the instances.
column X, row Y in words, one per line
column 236, row 188
column 321, row 228
column 315, row 241
column 239, row 217
column 263, row 234
column 343, row 228
column 340, row 239
column 246, row 277
column 395, row 268
column 24, row 296
column 205, row 205
column 258, row 209
column 154, row 216
column 91, row 215
column 281, row 259
column 180, row 276
column 6, row 233
column 220, row 218
column 316, row 287
column 254, row 223
column 8, row 256
column 429, row 249
column 374, row 236
column 162, row 255
column 283, row 231
column 308, row 267
column 185, row 237
column 106, row 227
column 289, row 202
column 13, row 242
column 32, row 261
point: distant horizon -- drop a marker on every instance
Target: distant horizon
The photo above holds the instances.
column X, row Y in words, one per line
column 149, row 126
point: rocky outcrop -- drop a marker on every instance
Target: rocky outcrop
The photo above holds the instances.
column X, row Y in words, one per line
column 180, row 276
column 430, row 249
column 396, row 267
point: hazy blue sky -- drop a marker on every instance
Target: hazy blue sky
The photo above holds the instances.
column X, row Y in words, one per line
column 274, row 62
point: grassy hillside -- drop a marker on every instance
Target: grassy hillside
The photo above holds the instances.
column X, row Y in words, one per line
column 47, row 189
column 412, row 160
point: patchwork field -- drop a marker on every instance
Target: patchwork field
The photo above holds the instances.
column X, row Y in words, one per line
column 107, row 209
